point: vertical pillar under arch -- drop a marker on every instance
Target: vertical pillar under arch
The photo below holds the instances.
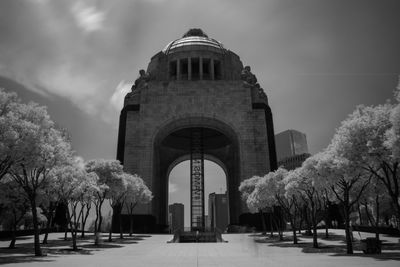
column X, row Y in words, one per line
column 189, row 69
column 201, row 68
column 197, row 221
column 212, row 69
column 178, row 69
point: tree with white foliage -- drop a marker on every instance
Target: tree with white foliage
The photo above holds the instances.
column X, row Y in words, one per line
column 88, row 189
column 16, row 131
column 369, row 140
column 67, row 180
column 372, row 199
column 302, row 185
column 118, row 189
column 263, row 196
column 273, row 189
column 137, row 193
column 246, row 188
column 44, row 148
column 346, row 182
column 106, row 171
column 290, row 200
column 13, row 206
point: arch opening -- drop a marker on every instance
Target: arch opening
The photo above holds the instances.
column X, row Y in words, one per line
column 172, row 147
column 215, row 181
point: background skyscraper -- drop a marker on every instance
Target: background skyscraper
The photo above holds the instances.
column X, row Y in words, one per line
column 218, row 211
column 176, row 217
column 291, row 149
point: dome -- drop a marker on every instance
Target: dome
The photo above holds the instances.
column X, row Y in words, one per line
column 194, row 37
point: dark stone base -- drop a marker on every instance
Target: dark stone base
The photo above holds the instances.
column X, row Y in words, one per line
column 141, row 224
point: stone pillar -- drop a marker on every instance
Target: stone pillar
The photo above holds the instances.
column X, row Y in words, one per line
column 178, row 69
column 201, row 68
column 212, row 69
column 189, row 69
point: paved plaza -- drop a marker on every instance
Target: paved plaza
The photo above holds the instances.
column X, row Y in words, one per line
column 240, row 250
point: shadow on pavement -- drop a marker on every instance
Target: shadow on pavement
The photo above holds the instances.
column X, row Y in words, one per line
column 18, row 238
column 382, row 257
column 25, row 252
column 25, row 258
column 100, row 246
column 141, row 236
column 338, row 250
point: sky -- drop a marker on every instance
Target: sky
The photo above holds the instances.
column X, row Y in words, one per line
column 316, row 59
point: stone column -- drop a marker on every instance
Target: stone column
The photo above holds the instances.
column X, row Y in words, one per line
column 178, row 69
column 189, row 69
column 212, row 69
column 201, row 68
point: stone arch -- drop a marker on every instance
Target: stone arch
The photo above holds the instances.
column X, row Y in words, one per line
column 165, row 156
column 206, row 157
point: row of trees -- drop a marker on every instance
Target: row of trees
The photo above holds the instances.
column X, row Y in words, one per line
column 38, row 168
column 360, row 167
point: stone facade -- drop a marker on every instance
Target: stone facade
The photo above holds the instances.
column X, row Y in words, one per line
column 182, row 89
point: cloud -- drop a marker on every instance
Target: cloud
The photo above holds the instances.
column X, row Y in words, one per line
column 88, row 18
column 42, row 2
column 117, row 99
column 172, row 187
column 80, row 88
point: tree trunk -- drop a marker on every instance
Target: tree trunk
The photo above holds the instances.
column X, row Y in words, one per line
column 300, row 224
column 74, row 245
column 270, row 225
column 96, row 220
column 120, row 223
column 38, row 250
column 114, row 208
column 359, row 213
column 349, row 241
column 307, row 221
column 293, row 225
column 110, row 232
column 263, row 226
column 84, row 219
column 327, row 223
column 130, row 224
column 66, row 232
column 100, row 220
column 326, row 231
column 82, row 223
column 278, row 227
column 73, row 231
column 48, row 224
column 13, row 237
column 314, row 225
column 377, row 217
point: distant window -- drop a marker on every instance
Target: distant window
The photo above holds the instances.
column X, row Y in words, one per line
column 173, row 70
column 184, row 69
column 206, row 69
column 195, row 62
column 217, row 70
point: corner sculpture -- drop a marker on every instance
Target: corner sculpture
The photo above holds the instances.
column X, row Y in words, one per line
column 140, row 83
column 250, row 81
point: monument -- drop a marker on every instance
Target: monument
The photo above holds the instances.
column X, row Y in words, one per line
column 195, row 101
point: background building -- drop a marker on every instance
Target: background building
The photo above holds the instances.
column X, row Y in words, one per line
column 291, row 149
column 176, row 217
column 218, row 211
